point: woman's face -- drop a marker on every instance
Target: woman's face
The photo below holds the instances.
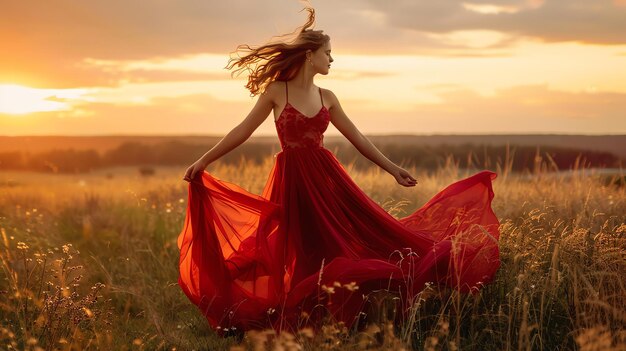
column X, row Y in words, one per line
column 321, row 59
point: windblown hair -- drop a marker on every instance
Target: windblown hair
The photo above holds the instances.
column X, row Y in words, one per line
column 279, row 59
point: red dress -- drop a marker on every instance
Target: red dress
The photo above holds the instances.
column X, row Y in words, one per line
column 258, row 261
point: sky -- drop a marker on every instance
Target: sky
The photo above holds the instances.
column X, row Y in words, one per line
column 401, row 66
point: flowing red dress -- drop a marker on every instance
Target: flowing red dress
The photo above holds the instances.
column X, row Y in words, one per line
column 256, row 261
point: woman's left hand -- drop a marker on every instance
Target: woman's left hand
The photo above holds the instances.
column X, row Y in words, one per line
column 403, row 177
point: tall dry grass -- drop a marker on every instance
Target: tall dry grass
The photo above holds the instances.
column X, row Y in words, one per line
column 90, row 262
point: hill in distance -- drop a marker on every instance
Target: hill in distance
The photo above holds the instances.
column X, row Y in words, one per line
column 615, row 144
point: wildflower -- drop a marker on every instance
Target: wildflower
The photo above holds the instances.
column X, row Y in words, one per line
column 328, row 289
column 445, row 326
column 452, row 346
column 88, row 312
column 351, row 287
column 308, row 332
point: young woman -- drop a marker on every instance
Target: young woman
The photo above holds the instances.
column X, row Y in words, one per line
column 313, row 238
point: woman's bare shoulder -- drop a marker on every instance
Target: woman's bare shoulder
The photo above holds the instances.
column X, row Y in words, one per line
column 273, row 90
column 330, row 99
column 274, row 87
column 271, row 93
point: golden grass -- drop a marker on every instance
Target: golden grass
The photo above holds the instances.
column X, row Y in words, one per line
column 90, row 262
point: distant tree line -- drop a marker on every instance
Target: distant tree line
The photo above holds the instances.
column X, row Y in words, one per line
column 174, row 153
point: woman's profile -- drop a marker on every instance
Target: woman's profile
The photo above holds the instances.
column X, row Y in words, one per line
column 313, row 237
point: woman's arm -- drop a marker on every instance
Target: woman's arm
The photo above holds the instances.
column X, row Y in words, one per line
column 237, row 135
column 341, row 121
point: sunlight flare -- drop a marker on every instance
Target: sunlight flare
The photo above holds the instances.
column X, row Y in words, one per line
column 19, row 100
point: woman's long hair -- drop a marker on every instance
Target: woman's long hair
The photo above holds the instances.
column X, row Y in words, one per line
column 277, row 60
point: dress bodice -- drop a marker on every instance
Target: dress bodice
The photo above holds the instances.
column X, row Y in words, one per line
column 295, row 130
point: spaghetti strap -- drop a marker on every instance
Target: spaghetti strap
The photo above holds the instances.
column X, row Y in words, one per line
column 321, row 98
column 287, row 91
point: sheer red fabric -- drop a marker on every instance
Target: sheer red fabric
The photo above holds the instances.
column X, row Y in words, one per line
column 256, row 261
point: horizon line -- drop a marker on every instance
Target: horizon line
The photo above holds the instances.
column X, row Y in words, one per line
column 326, row 135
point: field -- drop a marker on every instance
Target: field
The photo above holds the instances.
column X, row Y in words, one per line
column 89, row 261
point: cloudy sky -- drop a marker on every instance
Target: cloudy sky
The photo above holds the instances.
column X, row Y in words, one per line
column 401, row 66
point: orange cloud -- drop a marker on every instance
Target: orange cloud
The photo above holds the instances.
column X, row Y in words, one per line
column 593, row 22
column 46, row 44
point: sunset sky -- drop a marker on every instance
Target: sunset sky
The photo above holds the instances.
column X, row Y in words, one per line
column 401, row 66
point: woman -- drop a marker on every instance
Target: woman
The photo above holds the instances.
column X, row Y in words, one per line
column 313, row 238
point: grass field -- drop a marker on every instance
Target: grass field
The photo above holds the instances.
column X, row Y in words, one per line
column 89, row 262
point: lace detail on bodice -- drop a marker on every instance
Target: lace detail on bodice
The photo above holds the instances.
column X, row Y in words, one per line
column 295, row 130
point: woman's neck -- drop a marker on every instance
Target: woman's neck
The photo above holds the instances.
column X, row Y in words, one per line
column 304, row 79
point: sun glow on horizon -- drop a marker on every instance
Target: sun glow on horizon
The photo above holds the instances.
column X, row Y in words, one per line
column 20, row 100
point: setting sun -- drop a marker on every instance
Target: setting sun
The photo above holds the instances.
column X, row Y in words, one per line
column 19, row 100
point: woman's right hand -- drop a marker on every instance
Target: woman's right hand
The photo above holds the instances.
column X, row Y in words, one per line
column 198, row 166
column 403, row 177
